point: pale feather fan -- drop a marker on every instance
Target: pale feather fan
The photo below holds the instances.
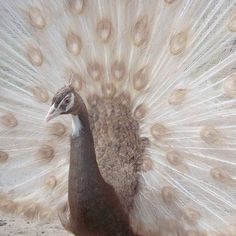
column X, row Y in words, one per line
column 176, row 59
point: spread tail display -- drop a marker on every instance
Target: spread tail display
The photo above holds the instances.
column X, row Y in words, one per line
column 158, row 79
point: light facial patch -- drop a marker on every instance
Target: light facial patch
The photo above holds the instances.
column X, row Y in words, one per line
column 62, row 106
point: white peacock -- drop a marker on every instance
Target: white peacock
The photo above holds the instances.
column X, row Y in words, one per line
column 170, row 63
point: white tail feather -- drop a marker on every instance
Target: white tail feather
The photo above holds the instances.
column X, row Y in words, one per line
column 174, row 58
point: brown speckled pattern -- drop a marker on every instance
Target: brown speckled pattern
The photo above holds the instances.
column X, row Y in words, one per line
column 118, row 146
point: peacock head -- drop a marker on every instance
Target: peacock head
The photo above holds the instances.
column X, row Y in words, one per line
column 63, row 102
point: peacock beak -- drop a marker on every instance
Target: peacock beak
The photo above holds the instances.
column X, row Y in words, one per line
column 52, row 113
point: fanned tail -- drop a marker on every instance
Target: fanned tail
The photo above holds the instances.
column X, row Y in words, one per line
column 174, row 60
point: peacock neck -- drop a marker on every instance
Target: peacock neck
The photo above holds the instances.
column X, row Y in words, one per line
column 84, row 174
column 82, row 144
column 83, row 164
column 82, row 153
column 80, row 120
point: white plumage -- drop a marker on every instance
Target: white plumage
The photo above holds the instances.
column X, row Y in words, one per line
column 176, row 59
column 76, row 126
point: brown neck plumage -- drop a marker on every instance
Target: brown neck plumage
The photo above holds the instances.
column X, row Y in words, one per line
column 83, row 145
column 83, row 165
column 94, row 207
column 80, row 110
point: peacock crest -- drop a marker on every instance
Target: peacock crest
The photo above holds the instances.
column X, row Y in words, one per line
column 158, row 79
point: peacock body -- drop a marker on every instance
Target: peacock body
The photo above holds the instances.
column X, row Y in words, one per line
column 158, row 78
